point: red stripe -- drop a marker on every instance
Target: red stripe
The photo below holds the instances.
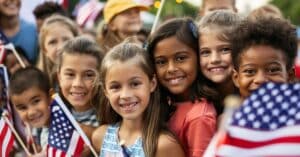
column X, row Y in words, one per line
column 3, row 133
column 250, row 144
column 10, row 145
column 79, row 147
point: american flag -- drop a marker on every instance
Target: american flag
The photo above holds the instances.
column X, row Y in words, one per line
column 267, row 124
column 7, row 138
column 3, row 42
column 65, row 136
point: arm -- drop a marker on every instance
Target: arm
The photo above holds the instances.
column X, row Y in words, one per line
column 168, row 146
column 98, row 136
column 88, row 130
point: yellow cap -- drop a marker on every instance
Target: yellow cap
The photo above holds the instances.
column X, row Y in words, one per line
column 114, row 7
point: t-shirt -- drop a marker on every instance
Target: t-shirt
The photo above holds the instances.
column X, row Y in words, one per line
column 194, row 124
column 27, row 39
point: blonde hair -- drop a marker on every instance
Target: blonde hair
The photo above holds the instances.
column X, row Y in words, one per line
column 224, row 21
column 268, row 10
column 44, row 63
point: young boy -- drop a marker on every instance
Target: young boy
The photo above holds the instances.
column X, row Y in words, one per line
column 29, row 93
column 211, row 5
column 263, row 50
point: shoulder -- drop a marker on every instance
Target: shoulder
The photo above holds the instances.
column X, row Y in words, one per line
column 202, row 108
column 98, row 136
column 166, row 143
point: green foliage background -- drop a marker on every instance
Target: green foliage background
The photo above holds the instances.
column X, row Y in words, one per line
column 290, row 9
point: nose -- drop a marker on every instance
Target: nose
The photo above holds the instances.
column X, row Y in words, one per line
column 215, row 58
column 77, row 82
column 125, row 93
column 31, row 112
column 171, row 67
column 260, row 78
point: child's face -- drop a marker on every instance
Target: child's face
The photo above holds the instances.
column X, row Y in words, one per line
column 212, row 5
column 33, row 107
column 128, row 89
column 176, row 66
column 215, row 57
column 257, row 65
column 127, row 23
column 54, row 40
column 10, row 7
column 77, row 80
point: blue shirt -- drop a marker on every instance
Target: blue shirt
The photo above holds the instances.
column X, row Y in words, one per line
column 112, row 147
column 27, row 39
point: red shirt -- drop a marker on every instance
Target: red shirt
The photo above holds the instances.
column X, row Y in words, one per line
column 195, row 125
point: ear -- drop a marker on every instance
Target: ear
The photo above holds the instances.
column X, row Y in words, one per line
column 111, row 26
column 291, row 75
column 153, row 84
column 235, row 78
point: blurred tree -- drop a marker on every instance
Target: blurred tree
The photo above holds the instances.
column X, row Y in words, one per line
column 290, row 9
column 174, row 9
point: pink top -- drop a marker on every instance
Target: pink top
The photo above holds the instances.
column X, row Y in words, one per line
column 194, row 124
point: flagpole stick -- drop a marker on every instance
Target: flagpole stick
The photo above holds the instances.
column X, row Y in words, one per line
column 17, row 135
column 157, row 16
column 93, row 151
column 31, row 138
column 11, row 46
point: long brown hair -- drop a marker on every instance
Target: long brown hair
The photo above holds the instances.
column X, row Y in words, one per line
column 153, row 124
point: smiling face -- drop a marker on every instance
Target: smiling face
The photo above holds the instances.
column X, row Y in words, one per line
column 10, row 7
column 33, row 106
column 257, row 65
column 77, row 80
column 176, row 66
column 215, row 57
column 128, row 93
column 127, row 23
column 54, row 40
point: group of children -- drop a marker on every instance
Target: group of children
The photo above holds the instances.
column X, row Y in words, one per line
column 161, row 100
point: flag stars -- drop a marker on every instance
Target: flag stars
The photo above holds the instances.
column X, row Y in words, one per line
column 251, row 117
column 260, row 111
column 242, row 122
column 287, row 93
column 266, row 98
column 275, row 112
column 256, row 124
column 292, row 111
column 285, row 105
column 247, row 109
column 275, row 92
column 282, row 119
column 270, row 105
column 273, row 126
column 294, row 99
column 253, row 97
column 279, row 99
column 256, row 104
column 283, row 87
column 261, row 91
column 298, row 116
column 290, row 122
column 296, row 87
column 266, row 119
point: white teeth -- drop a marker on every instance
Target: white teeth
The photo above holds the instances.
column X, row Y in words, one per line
column 176, row 80
column 77, row 94
column 217, row 69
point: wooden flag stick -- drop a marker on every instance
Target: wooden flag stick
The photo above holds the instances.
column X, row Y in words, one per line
column 16, row 135
column 157, row 16
column 11, row 47
column 31, row 138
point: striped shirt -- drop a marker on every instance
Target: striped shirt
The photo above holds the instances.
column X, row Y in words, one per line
column 88, row 117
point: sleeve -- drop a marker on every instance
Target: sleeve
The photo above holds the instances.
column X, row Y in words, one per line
column 199, row 132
